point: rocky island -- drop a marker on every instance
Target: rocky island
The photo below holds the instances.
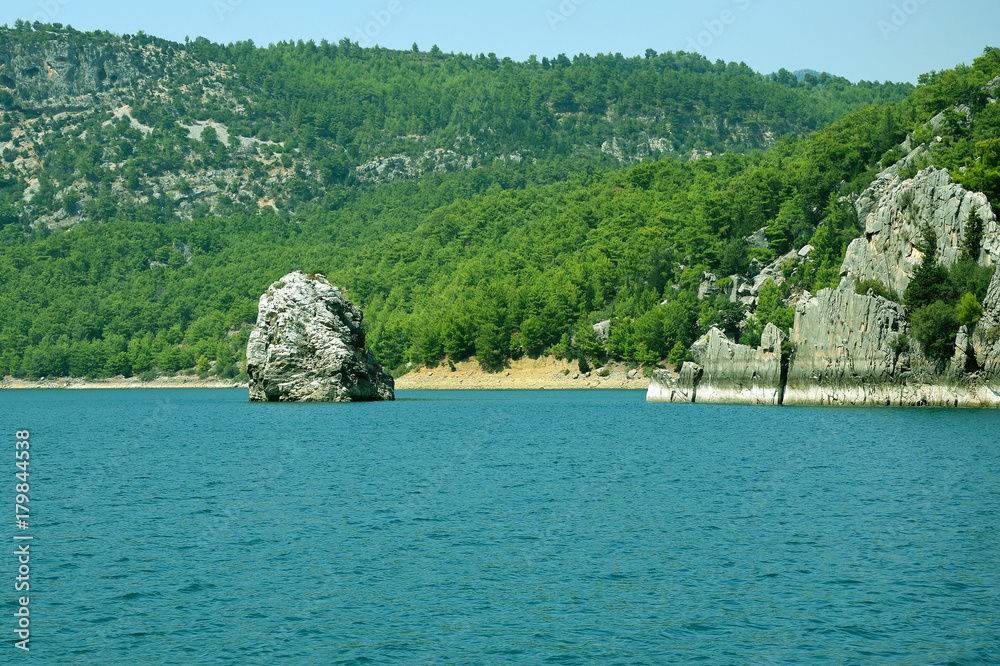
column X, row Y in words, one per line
column 850, row 348
column 309, row 346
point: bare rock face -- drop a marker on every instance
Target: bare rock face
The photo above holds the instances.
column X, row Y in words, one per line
column 309, row 346
column 726, row 372
column 897, row 213
column 846, row 349
column 62, row 72
column 984, row 339
column 664, row 387
column 857, row 349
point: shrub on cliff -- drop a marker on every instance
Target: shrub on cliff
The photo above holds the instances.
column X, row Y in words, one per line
column 930, row 279
column 678, row 355
column 969, row 310
column 935, row 327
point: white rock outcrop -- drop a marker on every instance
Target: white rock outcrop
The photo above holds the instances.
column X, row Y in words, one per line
column 309, row 346
column 899, row 211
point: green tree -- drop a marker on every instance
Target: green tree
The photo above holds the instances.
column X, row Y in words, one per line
column 968, row 310
column 930, row 280
column 935, row 327
column 972, row 238
column 678, row 355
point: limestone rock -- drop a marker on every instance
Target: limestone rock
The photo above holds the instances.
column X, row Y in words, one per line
column 309, row 346
column 888, row 178
column 733, row 372
column 773, row 272
column 59, row 74
column 844, row 348
column 602, row 330
column 984, row 338
column 707, row 285
column 757, row 239
column 664, row 387
column 898, row 215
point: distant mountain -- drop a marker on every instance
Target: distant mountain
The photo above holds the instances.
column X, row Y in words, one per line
column 800, row 74
column 211, row 125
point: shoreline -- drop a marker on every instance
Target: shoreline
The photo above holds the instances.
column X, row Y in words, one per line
column 523, row 374
column 182, row 381
column 545, row 372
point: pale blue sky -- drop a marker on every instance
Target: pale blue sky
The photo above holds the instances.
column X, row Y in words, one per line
column 858, row 39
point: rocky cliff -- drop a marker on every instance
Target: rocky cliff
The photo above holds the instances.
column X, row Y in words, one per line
column 855, row 349
column 64, row 74
column 309, row 346
column 725, row 372
column 897, row 213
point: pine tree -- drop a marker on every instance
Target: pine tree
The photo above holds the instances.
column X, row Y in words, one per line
column 972, row 238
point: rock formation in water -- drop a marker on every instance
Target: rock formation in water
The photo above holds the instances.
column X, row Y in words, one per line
column 309, row 346
column 856, row 349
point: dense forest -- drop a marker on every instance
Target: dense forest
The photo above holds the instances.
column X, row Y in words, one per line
column 137, row 229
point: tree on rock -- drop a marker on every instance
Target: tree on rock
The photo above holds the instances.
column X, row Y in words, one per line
column 930, row 279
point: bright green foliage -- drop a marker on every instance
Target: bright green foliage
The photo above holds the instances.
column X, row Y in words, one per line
column 983, row 173
column 753, row 331
column 967, row 276
column 930, row 279
column 678, row 355
column 939, row 300
column 771, row 307
column 935, row 327
column 720, row 313
column 586, row 341
column 972, row 238
column 969, row 310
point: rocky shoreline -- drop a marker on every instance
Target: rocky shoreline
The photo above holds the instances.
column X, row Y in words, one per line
column 850, row 348
column 179, row 381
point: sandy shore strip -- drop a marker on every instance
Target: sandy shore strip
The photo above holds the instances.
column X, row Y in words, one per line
column 525, row 374
column 522, row 374
column 180, row 381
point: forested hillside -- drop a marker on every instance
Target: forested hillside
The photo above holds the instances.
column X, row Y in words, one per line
column 473, row 206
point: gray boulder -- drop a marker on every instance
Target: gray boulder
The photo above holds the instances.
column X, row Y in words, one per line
column 309, row 346
column 665, row 387
column 757, row 239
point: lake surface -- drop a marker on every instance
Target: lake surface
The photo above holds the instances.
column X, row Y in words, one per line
column 571, row 527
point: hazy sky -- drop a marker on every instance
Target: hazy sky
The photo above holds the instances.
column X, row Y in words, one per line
column 859, row 39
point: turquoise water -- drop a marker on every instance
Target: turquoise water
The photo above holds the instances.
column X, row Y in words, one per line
column 190, row 526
